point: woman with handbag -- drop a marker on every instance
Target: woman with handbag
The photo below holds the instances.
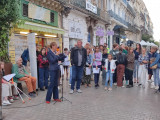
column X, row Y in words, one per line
column 155, row 66
column 143, row 67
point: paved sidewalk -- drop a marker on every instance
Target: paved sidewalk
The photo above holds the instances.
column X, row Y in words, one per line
column 93, row 104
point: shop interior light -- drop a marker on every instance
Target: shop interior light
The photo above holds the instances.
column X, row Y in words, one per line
column 26, row 33
column 50, row 35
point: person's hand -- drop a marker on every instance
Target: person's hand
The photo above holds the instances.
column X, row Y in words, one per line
column 93, row 59
column 59, row 62
column 26, row 75
column 103, row 67
column 145, row 61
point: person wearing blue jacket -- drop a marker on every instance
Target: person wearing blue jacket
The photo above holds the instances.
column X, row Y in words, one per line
column 156, row 71
column 53, row 57
column 25, row 57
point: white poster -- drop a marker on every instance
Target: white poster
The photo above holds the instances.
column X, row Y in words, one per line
column 75, row 30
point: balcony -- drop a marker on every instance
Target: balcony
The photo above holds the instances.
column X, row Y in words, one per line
column 117, row 17
column 131, row 10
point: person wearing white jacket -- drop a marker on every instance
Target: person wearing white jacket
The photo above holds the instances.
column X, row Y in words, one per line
column 110, row 67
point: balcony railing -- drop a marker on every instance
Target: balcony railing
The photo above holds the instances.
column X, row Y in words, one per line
column 131, row 10
column 117, row 17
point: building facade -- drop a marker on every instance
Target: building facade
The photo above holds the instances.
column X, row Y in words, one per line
column 106, row 21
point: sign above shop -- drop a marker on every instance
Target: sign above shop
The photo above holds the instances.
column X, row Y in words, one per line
column 91, row 7
column 75, row 30
column 110, row 32
column 100, row 32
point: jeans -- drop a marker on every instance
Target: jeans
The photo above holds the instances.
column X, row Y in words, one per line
column 136, row 67
column 103, row 76
column 77, row 74
column 129, row 75
column 115, row 76
column 96, row 75
column 70, row 80
column 156, row 77
column 109, row 75
column 43, row 77
column 53, row 86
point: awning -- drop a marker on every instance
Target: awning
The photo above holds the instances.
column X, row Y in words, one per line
column 41, row 28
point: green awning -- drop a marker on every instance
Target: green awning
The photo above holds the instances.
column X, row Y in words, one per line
column 41, row 28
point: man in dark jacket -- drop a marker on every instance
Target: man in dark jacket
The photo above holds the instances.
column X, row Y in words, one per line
column 78, row 60
column 25, row 57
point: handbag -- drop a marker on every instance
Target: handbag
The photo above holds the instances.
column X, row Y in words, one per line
column 154, row 67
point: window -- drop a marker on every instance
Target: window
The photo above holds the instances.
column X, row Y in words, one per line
column 114, row 8
column 52, row 17
column 102, row 4
column 25, row 10
column 97, row 1
column 109, row 5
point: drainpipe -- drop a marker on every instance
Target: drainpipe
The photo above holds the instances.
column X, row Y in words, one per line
column 62, row 36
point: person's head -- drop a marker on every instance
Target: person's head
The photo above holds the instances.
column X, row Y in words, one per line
column 131, row 50
column 88, row 51
column 79, row 44
column 101, row 47
column 105, row 51
column 43, row 51
column 19, row 61
column 126, row 48
column 120, row 50
column 153, row 49
column 87, row 45
column 96, row 49
column 53, row 46
column 109, row 57
column 105, row 44
column 1, row 66
column 66, row 50
column 123, row 46
column 115, row 46
column 143, row 51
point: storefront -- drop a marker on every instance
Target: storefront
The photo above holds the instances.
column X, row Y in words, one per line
column 75, row 29
column 39, row 20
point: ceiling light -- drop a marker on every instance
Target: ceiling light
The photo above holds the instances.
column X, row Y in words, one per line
column 50, row 35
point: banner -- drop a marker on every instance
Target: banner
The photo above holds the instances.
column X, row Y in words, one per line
column 75, row 30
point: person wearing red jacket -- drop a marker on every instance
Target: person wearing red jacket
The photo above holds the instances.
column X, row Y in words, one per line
column 43, row 69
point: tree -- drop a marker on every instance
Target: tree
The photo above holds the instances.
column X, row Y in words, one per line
column 9, row 15
column 149, row 38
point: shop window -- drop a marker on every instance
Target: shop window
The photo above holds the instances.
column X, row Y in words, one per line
column 52, row 17
column 25, row 10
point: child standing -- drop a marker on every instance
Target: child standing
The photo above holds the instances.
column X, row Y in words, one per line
column 110, row 67
column 97, row 58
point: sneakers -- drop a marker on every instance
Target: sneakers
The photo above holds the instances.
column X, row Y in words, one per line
column 57, row 100
column 32, row 95
column 152, row 86
column 6, row 102
column 10, row 99
column 15, row 97
column 48, row 102
column 71, row 91
column 105, row 88
column 85, row 85
column 110, row 89
column 42, row 89
column 115, row 84
column 79, row 91
column 156, row 88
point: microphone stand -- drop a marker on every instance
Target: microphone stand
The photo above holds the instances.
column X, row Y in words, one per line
column 62, row 97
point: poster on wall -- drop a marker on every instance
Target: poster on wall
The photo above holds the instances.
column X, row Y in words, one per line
column 75, row 30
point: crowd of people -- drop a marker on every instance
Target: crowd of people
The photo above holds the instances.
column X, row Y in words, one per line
column 123, row 66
